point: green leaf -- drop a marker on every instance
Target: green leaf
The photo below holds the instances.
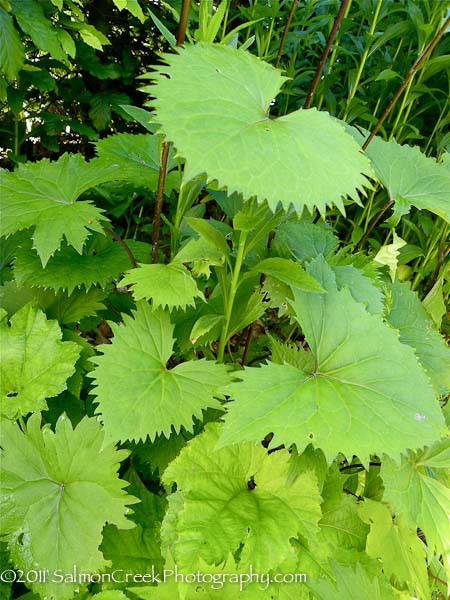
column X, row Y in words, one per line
column 434, row 302
column 137, row 156
column 206, row 231
column 35, row 362
column 397, row 545
column 166, row 285
column 352, row 583
column 101, row 261
column 238, row 496
column 290, row 273
column 59, row 490
column 32, row 20
column 416, row 329
column 138, row 394
column 364, row 381
column 163, row 29
column 410, row 177
column 415, row 492
column 304, row 241
column 56, row 305
column 12, row 53
column 132, row 6
column 43, row 195
column 361, row 287
column 213, row 102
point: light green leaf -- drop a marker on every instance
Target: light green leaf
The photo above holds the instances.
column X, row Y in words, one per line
column 290, row 273
column 414, row 490
column 35, row 362
column 166, row 285
column 202, row 255
column 43, row 195
column 238, row 496
column 352, row 583
column 11, row 49
column 101, row 261
column 213, row 103
column 138, row 394
column 434, row 302
column 206, row 231
column 205, row 325
column 388, row 254
column 59, row 490
column 132, row 6
column 163, row 29
column 141, row 116
column 398, row 546
column 32, row 20
column 362, row 288
column 410, row 177
column 92, row 36
column 416, row 329
column 363, row 381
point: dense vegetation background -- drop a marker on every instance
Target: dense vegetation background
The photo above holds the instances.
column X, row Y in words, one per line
column 226, row 280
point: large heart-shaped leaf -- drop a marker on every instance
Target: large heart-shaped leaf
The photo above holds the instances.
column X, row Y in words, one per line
column 213, row 103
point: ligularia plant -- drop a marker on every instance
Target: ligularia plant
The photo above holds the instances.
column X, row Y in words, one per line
column 165, row 439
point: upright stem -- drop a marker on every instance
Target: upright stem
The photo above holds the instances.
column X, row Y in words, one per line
column 231, row 295
column 181, row 32
column 323, row 58
column 416, row 66
column 363, row 59
column 285, row 30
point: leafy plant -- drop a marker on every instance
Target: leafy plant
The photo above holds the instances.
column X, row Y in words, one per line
column 264, row 386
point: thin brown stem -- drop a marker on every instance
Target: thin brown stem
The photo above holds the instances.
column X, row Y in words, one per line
column 285, row 30
column 416, row 66
column 181, row 32
column 437, row 578
column 183, row 22
column 372, row 224
column 159, row 201
column 325, row 52
column 117, row 237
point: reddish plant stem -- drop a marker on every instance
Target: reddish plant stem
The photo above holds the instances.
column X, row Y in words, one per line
column 181, row 32
column 325, row 52
column 372, row 224
column 117, row 237
column 285, row 30
column 413, row 70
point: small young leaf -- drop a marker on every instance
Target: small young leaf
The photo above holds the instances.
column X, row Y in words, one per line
column 166, row 285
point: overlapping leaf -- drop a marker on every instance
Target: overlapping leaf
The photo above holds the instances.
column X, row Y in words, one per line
column 138, row 394
column 409, row 317
column 363, row 382
column 100, row 262
column 237, row 496
column 59, row 490
column 43, row 195
column 410, row 177
column 168, row 285
column 398, row 546
column 35, row 362
column 11, row 50
column 137, row 156
column 213, row 103
column 416, row 491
